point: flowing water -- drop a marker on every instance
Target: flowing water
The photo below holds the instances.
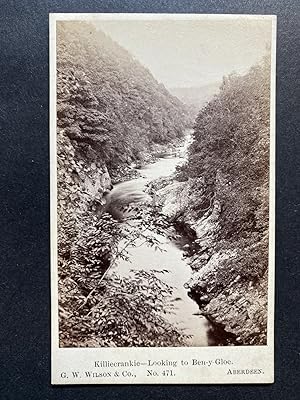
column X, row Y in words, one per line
column 142, row 257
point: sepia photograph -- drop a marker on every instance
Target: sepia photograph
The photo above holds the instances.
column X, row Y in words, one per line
column 162, row 171
column 150, row 200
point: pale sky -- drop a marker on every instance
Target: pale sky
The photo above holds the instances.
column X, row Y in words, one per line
column 191, row 53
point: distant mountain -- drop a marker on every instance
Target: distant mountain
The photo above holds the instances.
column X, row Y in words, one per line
column 196, row 97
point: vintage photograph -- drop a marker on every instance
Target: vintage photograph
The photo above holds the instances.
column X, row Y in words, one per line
column 162, row 181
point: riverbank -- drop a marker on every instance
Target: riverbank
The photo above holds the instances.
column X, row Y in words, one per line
column 227, row 296
column 233, row 304
column 159, row 252
column 97, row 308
column 131, row 170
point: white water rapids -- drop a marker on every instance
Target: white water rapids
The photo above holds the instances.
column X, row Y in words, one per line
column 142, row 257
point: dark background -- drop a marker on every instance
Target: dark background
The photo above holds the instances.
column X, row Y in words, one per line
column 24, row 194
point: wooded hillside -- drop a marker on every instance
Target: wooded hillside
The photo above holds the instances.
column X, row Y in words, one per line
column 107, row 101
column 228, row 191
column 230, row 152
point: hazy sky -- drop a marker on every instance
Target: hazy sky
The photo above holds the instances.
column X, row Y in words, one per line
column 192, row 53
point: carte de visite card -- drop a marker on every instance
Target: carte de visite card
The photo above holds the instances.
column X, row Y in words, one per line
column 162, row 139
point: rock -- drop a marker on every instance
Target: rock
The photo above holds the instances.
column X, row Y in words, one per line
column 227, row 299
column 204, row 298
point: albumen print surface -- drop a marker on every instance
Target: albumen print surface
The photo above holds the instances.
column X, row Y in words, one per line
column 162, row 198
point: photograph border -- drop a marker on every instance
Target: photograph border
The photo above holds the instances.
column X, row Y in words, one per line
column 66, row 352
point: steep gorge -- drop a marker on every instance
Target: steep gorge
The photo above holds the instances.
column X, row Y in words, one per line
column 111, row 112
column 222, row 195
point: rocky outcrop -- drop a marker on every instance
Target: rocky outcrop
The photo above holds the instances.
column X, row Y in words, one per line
column 82, row 180
column 238, row 305
column 225, row 295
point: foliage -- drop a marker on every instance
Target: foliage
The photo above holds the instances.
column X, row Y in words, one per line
column 100, row 308
column 125, row 311
column 107, row 101
column 229, row 164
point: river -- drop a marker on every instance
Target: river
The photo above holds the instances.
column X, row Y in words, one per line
column 186, row 314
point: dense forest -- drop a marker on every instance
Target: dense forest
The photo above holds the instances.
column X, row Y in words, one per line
column 110, row 112
column 227, row 177
column 107, row 101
